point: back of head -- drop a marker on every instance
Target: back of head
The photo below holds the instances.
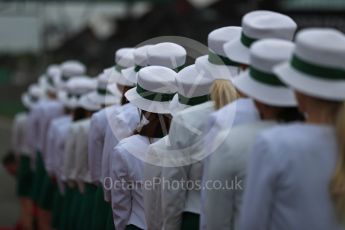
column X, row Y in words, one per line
column 222, row 93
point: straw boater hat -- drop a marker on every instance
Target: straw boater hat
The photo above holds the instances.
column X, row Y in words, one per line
column 317, row 67
column 216, row 63
column 75, row 89
column 155, row 89
column 258, row 25
column 106, row 94
column 167, row 54
column 140, row 61
column 123, row 59
column 70, row 69
column 32, row 96
column 259, row 82
column 53, row 78
column 193, row 89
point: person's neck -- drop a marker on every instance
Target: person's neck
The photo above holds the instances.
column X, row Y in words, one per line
column 319, row 118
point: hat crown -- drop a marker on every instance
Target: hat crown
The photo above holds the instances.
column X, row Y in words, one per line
column 72, row 68
column 192, row 82
column 80, row 85
column 166, row 54
column 217, row 38
column 124, row 57
column 267, row 24
column 267, row 53
column 140, row 55
column 53, row 70
column 102, row 81
column 35, row 91
column 158, row 79
column 325, row 47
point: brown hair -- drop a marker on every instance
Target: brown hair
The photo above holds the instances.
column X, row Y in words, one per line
column 222, row 93
column 158, row 126
column 337, row 186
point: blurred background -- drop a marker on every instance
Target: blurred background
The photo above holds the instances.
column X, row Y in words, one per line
column 36, row 33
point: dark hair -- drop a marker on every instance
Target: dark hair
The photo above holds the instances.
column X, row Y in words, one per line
column 124, row 90
column 9, row 158
column 157, row 128
column 79, row 114
column 290, row 114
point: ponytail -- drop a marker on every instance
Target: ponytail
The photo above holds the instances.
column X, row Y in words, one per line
column 222, row 93
column 337, row 187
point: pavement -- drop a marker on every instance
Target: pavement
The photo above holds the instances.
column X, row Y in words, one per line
column 9, row 204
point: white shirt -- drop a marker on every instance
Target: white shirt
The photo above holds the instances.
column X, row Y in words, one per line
column 288, row 180
column 99, row 123
column 185, row 136
column 228, row 167
column 127, row 170
column 122, row 125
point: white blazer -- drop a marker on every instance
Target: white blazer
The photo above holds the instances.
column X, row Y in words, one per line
column 185, row 136
column 288, row 180
column 228, row 167
column 127, row 162
column 241, row 111
column 122, row 125
column 99, row 123
column 19, row 129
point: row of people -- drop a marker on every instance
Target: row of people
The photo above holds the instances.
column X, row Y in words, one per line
column 250, row 136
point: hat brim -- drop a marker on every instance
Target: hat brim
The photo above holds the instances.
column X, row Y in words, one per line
column 176, row 106
column 271, row 95
column 237, row 52
column 70, row 103
column 217, row 71
column 115, row 76
column 151, row 106
column 103, row 100
column 86, row 103
column 310, row 85
column 130, row 75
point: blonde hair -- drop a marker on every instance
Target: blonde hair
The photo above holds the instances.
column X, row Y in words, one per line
column 337, row 187
column 222, row 93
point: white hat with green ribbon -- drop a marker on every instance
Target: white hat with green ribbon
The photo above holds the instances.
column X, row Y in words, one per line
column 259, row 82
column 216, row 63
column 317, row 67
column 193, row 89
column 258, row 25
column 167, row 54
column 140, row 61
column 155, row 89
column 123, row 59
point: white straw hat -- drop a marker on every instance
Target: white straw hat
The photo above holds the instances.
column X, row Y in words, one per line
column 87, row 103
column 216, row 62
column 75, row 89
column 317, row 67
column 258, row 25
column 259, row 82
column 72, row 68
column 140, row 61
column 53, row 78
column 193, row 89
column 167, row 54
column 32, row 96
column 106, row 93
column 123, row 59
column 155, row 89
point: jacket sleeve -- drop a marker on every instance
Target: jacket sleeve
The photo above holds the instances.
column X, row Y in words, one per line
column 95, row 149
column 49, row 157
column 81, row 165
column 69, row 154
column 259, row 193
column 120, row 191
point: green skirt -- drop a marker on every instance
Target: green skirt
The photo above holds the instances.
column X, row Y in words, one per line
column 88, row 201
column 24, row 177
column 38, row 180
column 110, row 220
column 66, row 205
column 57, row 209
column 48, row 190
column 190, row 221
column 100, row 211
column 74, row 211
